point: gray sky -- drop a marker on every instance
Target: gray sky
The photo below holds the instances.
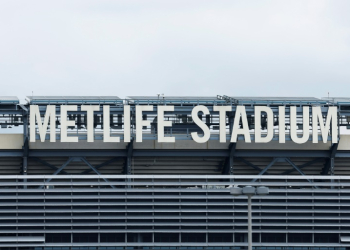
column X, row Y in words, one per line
column 175, row 47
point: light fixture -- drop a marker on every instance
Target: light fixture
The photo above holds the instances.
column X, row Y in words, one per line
column 249, row 191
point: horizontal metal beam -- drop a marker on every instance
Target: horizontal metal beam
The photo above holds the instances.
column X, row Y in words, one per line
column 11, row 112
column 11, row 153
column 283, row 153
column 123, row 153
column 76, row 153
column 173, row 153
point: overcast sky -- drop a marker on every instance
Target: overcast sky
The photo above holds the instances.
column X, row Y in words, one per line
column 175, row 47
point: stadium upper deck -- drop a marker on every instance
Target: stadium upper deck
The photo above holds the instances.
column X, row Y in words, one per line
column 184, row 156
column 154, row 195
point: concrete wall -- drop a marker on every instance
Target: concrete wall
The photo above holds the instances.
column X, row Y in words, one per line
column 11, row 141
column 344, row 143
column 15, row 141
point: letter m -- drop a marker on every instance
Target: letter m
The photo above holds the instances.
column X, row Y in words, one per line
column 42, row 127
column 325, row 128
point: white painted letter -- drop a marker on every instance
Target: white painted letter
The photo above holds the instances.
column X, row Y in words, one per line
column 126, row 123
column 90, row 120
column 42, row 127
column 222, row 120
column 65, row 123
column 107, row 127
column 162, row 123
column 293, row 125
column 282, row 124
column 139, row 122
column 240, row 112
column 318, row 118
column 201, row 124
column 269, row 120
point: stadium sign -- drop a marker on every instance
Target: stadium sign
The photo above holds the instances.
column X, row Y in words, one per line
column 240, row 123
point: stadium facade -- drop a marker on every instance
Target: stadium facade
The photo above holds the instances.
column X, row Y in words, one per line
column 67, row 182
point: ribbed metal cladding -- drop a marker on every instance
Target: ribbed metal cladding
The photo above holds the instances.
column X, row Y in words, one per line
column 181, row 212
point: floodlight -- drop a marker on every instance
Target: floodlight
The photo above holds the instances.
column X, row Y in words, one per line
column 249, row 190
column 236, row 191
column 262, row 191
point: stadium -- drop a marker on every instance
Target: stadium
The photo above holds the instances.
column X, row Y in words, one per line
column 73, row 177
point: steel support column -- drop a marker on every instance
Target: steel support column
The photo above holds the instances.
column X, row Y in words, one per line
column 128, row 161
column 250, row 234
column 25, row 147
column 329, row 165
column 229, row 161
column 232, row 150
